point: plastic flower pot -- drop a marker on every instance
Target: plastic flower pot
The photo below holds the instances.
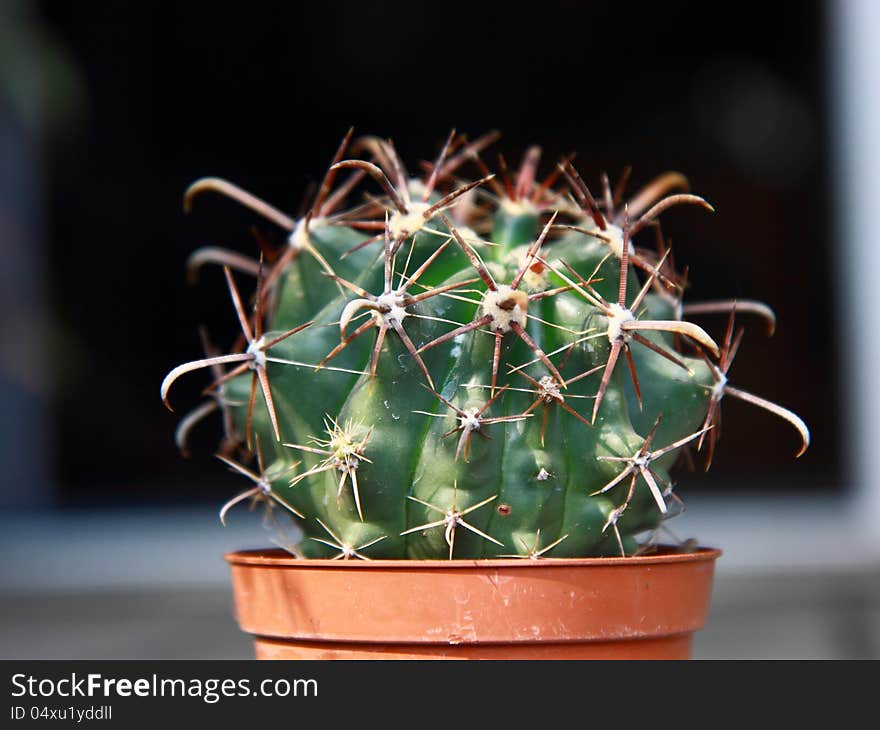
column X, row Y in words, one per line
column 644, row 607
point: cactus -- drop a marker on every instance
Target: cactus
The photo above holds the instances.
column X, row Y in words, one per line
column 448, row 369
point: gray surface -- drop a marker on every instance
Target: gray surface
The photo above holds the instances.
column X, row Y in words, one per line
column 808, row 616
column 161, row 624
column 793, row 616
column 797, row 580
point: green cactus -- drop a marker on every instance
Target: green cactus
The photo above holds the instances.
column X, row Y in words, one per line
column 466, row 370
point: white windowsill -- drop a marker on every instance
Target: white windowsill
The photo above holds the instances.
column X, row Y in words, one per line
column 115, row 549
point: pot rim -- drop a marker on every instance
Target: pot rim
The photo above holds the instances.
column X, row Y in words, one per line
column 277, row 557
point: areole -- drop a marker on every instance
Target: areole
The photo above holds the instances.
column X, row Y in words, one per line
column 644, row 607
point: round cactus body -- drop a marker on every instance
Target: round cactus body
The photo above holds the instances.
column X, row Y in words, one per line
column 468, row 370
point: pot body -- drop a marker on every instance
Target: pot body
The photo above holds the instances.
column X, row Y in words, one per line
column 644, row 607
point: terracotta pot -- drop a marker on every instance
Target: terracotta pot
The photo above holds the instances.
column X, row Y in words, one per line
column 590, row 608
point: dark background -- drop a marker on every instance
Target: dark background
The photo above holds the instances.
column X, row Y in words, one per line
column 157, row 95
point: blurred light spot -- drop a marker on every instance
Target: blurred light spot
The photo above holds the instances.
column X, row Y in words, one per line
column 757, row 118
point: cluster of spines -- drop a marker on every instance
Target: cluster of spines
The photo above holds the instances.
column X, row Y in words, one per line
column 403, row 212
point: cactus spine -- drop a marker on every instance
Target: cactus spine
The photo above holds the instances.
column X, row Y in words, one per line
column 466, row 370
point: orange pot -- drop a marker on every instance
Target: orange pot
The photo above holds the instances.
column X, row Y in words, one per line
column 643, row 607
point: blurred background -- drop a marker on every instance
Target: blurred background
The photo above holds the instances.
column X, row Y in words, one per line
column 108, row 110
